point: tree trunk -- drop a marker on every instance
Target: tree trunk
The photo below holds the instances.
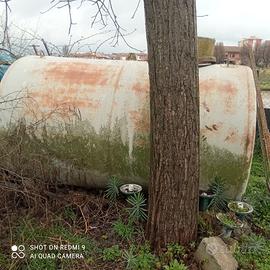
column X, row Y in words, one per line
column 174, row 105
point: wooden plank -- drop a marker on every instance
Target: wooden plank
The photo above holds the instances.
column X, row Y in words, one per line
column 262, row 123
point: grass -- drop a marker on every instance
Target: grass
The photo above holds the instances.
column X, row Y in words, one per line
column 31, row 234
column 140, row 258
column 253, row 251
column 265, row 79
column 123, row 230
column 175, row 265
column 133, row 255
column 111, row 254
column 108, row 237
column 257, row 194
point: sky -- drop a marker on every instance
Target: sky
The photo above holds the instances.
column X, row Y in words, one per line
column 227, row 21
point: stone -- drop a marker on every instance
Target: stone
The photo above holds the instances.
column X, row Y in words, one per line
column 213, row 254
column 231, row 244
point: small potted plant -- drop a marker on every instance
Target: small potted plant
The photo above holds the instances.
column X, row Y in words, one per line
column 215, row 196
column 241, row 209
column 205, row 199
column 229, row 222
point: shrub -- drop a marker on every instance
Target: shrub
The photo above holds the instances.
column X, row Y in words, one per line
column 125, row 231
column 253, row 252
column 142, row 260
column 111, row 253
column 175, row 265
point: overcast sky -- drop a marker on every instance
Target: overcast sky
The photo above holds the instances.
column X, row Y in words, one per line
column 227, row 21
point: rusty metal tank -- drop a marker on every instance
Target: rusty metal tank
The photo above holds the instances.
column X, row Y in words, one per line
column 80, row 121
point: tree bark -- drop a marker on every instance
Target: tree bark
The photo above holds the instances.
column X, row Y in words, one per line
column 174, row 104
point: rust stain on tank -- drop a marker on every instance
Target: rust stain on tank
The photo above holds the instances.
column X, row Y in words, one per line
column 205, row 106
column 233, row 137
column 215, row 127
column 229, row 88
column 52, row 99
column 226, row 89
column 208, row 128
column 214, row 85
column 78, row 73
column 141, row 87
column 114, row 104
column 248, row 141
column 141, row 120
column 212, row 129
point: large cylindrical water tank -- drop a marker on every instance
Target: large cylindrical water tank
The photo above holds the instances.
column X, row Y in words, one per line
column 90, row 119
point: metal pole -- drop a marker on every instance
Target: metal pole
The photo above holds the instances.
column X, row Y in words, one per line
column 46, row 47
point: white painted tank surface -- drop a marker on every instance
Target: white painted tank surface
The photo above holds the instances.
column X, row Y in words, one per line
column 80, row 121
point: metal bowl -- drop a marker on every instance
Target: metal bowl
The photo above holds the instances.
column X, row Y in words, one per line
column 128, row 189
column 240, row 205
column 219, row 216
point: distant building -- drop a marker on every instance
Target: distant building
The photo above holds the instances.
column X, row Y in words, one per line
column 233, row 54
column 125, row 56
column 90, row 55
column 251, row 42
column 119, row 56
column 142, row 56
column 266, row 42
column 113, row 56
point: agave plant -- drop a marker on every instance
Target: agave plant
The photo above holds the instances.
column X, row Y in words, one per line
column 130, row 258
column 112, row 190
column 137, row 210
column 219, row 201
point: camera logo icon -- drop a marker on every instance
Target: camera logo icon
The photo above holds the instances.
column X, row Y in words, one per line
column 18, row 251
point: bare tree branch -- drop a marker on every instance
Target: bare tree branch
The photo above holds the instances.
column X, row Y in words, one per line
column 62, row 4
column 104, row 14
column 136, row 9
column 7, row 10
column 85, row 38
